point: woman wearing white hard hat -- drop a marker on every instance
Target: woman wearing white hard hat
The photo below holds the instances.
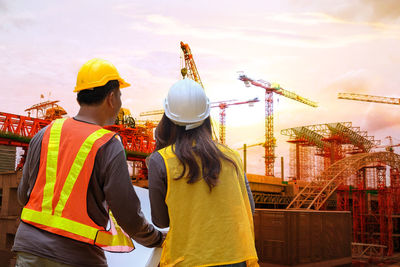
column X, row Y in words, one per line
column 198, row 188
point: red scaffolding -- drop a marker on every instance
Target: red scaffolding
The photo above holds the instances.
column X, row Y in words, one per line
column 17, row 130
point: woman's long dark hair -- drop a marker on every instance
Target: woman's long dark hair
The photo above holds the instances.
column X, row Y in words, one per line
column 192, row 144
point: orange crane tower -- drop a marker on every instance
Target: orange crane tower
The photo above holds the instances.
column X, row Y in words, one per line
column 270, row 89
column 190, row 69
column 222, row 107
column 370, row 98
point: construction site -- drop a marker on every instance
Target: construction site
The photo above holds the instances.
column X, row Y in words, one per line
column 339, row 205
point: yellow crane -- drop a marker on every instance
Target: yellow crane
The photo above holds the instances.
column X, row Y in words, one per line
column 151, row 112
column 370, row 98
column 125, row 118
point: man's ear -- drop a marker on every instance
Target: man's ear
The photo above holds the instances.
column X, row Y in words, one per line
column 110, row 99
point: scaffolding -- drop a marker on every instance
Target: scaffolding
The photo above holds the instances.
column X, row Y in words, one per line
column 319, row 146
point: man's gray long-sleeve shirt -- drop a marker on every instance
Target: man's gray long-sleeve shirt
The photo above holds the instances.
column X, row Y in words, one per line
column 109, row 183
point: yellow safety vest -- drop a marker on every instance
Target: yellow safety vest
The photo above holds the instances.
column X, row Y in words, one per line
column 208, row 228
column 57, row 203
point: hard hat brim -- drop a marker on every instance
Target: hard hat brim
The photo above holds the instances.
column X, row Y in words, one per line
column 122, row 84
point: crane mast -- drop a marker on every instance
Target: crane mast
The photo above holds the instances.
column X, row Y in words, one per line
column 190, row 69
column 270, row 140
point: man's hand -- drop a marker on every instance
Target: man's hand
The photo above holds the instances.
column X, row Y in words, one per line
column 164, row 235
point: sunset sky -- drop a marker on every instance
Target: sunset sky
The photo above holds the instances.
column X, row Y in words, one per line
column 315, row 48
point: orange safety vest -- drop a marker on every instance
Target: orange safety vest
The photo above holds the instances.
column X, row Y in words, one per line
column 57, row 203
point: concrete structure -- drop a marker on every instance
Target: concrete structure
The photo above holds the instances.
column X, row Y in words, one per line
column 10, row 211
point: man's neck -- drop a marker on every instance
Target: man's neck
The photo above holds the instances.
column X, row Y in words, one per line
column 91, row 115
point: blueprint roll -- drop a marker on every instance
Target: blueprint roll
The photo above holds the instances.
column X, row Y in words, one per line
column 155, row 257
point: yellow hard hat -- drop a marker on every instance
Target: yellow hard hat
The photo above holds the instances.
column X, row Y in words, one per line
column 97, row 72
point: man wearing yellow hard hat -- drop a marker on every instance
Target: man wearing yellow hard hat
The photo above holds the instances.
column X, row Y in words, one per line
column 74, row 176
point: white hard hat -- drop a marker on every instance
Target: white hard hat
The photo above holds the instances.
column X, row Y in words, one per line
column 186, row 104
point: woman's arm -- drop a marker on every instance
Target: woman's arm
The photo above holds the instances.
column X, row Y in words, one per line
column 158, row 190
column 249, row 194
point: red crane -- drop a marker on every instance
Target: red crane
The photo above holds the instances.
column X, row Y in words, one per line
column 270, row 89
column 222, row 105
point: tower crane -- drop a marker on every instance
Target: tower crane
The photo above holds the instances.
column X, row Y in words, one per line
column 270, row 89
column 370, row 98
column 190, row 69
column 222, row 107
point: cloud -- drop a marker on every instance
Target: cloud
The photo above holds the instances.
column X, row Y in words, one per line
column 276, row 30
column 380, row 117
column 3, row 6
column 369, row 11
column 383, row 9
column 343, row 17
column 15, row 20
column 306, row 38
column 355, row 81
column 305, row 18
